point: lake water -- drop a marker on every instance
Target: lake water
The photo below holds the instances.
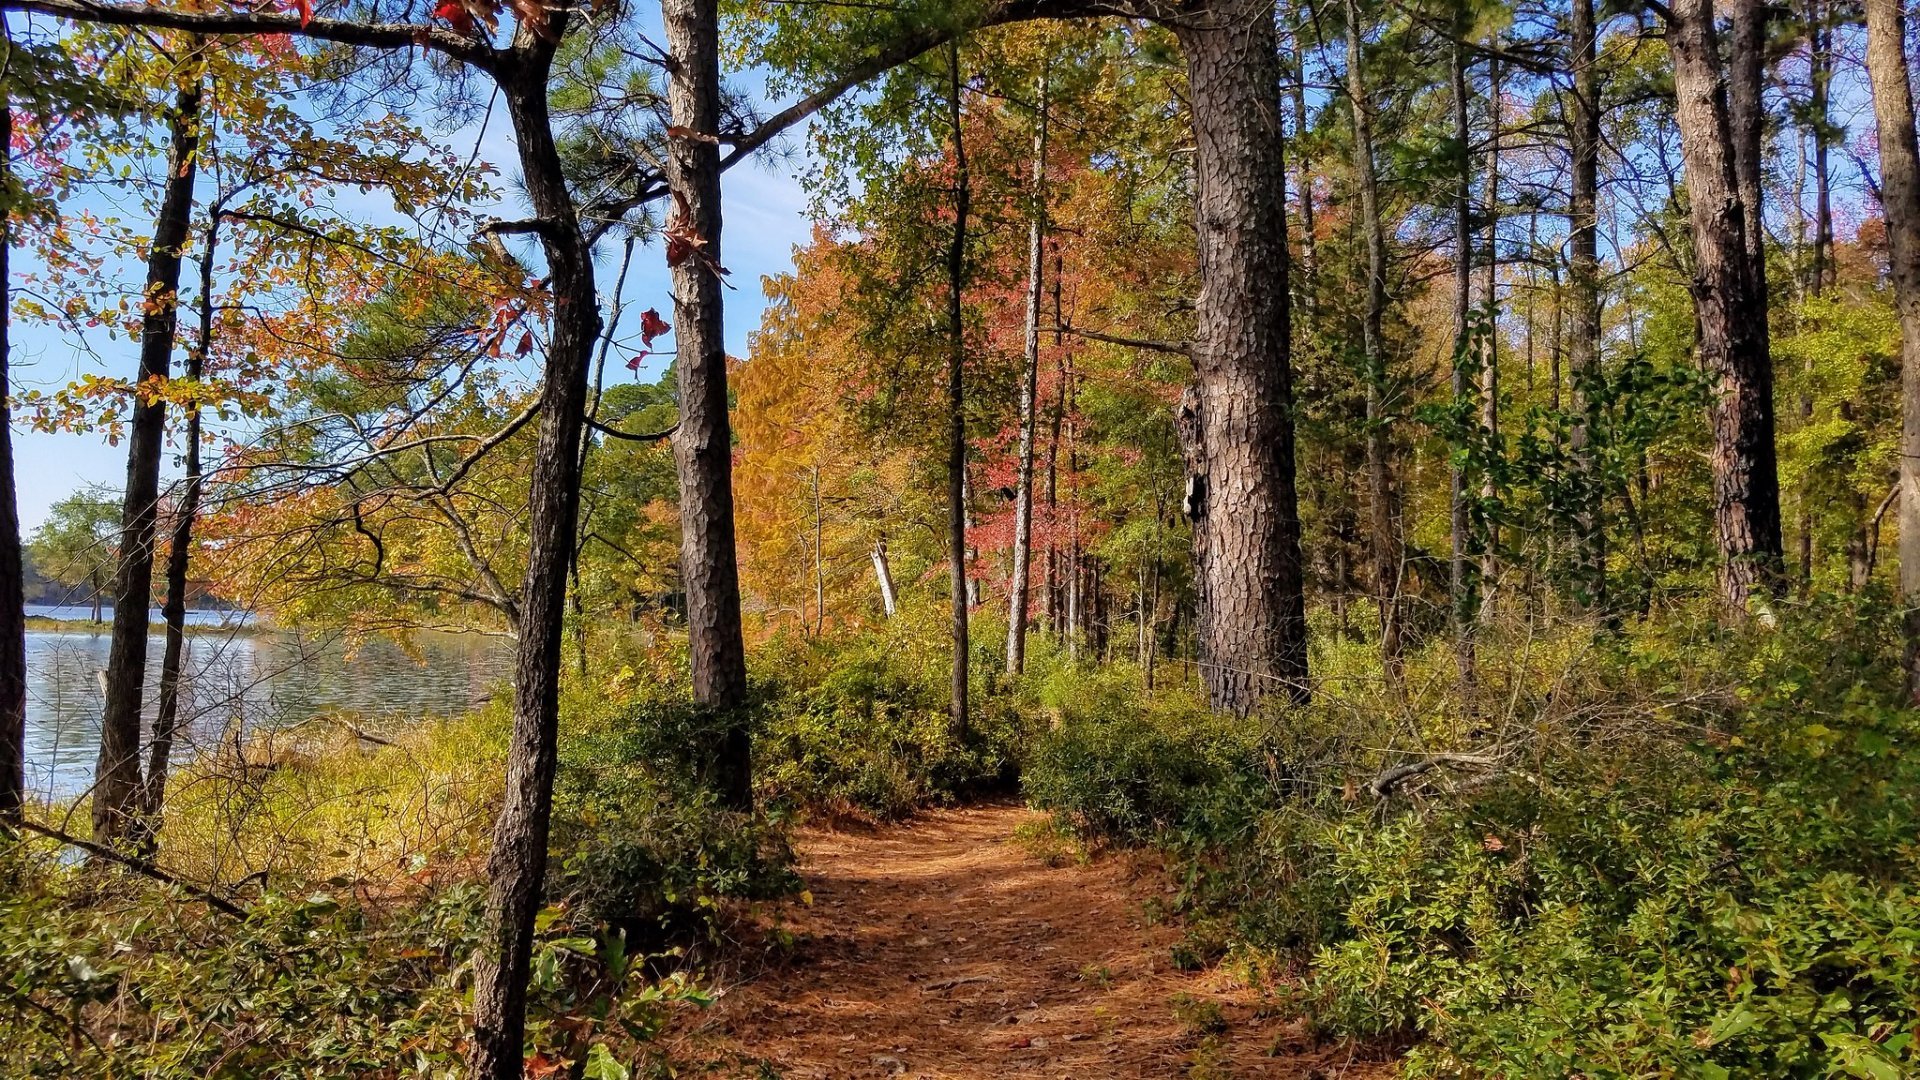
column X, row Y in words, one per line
column 257, row 679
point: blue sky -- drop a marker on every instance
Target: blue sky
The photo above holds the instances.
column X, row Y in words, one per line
column 765, row 218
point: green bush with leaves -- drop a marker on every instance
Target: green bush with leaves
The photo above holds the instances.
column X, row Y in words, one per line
column 859, row 723
column 1720, row 882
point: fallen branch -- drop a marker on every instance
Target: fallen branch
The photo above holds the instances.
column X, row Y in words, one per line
column 948, row 984
column 1384, row 784
column 139, row 866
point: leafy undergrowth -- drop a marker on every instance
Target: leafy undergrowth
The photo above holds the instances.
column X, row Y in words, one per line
column 1644, row 855
column 360, row 865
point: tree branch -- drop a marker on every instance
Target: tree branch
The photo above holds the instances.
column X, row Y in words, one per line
column 389, row 36
column 138, row 866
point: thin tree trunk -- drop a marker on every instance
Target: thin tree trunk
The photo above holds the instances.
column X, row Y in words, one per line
column 703, row 445
column 13, row 615
column 517, row 864
column 1589, row 541
column 117, row 784
column 819, row 560
column 1385, row 538
column 883, row 571
column 179, row 552
column 1238, row 423
column 1729, row 303
column 1900, row 200
column 1303, row 185
column 1489, row 537
column 956, row 402
column 1462, row 583
column 1018, row 586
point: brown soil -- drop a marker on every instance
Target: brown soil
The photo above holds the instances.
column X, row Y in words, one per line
column 940, row 947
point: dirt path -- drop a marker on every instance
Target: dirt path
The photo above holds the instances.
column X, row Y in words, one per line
column 941, row 948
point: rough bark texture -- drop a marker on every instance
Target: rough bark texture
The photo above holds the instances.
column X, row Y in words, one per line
column 173, row 610
column 13, row 621
column 117, row 774
column 1238, row 416
column 1900, row 200
column 1588, row 556
column 516, row 866
column 1462, row 567
column 956, row 405
column 1381, row 496
column 1018, row 588
column 703, row 446
column 1732, row 318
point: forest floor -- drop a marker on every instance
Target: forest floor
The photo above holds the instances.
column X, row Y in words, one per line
column 944, row 947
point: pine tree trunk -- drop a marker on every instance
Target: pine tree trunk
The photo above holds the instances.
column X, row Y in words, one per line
column 956, row 404
column 13, row 614
column 1238, row 428
column 1488, row 540
column 1462, row 566
column 1588, row 558
column 703, row 445
column 1385, row 517
column 1018, row 586
column 1731, row 313
column 1900, row 199
column 117, row 784
column 516, row 866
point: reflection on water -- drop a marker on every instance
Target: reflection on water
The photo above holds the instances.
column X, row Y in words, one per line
column 258, row 679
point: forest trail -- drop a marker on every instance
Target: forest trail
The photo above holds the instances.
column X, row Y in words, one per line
column 942, row 948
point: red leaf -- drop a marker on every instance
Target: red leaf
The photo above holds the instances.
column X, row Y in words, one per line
column 526, row 344
column 456, row 14
column 305, row 7
column 653, row 326
column 633, row 365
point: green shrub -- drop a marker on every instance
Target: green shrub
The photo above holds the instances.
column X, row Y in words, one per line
column 859, row 722
column 1692, row 855
column 106, row 976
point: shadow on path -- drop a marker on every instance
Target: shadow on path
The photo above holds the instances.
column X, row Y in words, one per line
column 940, row 948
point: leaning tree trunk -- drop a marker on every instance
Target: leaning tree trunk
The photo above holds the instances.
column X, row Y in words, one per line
column 956, row 404
column 173, row 611
column 517, row 865
column 1018, row 588
column 13, row 615
column 703, row 445
column 1588, row 558
column 116, row 788
column 1385, row 539
column 1237, row 417
column 1732, row 318
column 1900, row 200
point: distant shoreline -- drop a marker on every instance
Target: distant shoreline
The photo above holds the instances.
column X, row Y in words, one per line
column 47, row 625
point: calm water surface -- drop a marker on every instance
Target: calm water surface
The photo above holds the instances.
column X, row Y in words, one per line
column 258, row 679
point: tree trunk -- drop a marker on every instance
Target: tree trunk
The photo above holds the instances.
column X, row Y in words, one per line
column 883, row 571
column 13, row 614
column 1731, row 312
column 1385, row 539
column 819, row 560
column 1462, row 583
column 956, row 403
column 179, row 551
column 516, row 866
column 703, row 445
column 1489, row 536
column 116, row 789
column 1238, row 420
column 1589, row 542
column 1900, row 200
column 1018, row 586
column 1303, row 185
